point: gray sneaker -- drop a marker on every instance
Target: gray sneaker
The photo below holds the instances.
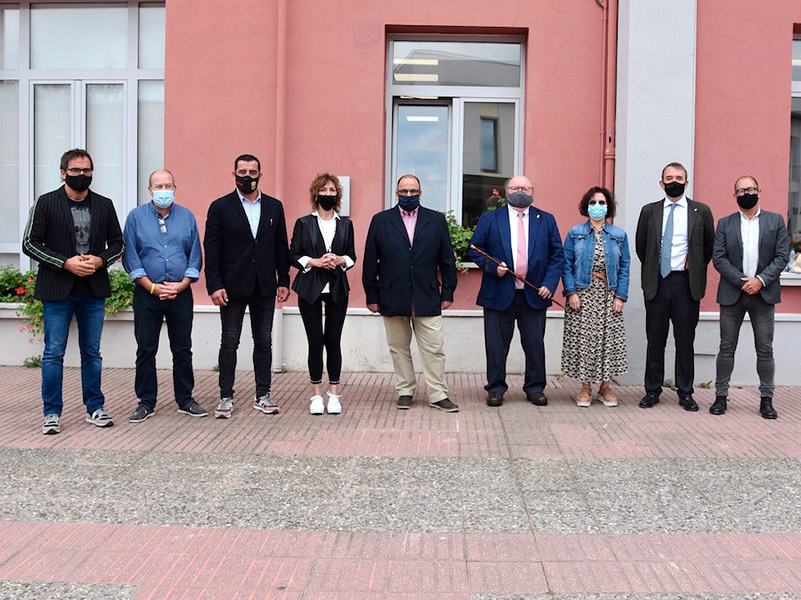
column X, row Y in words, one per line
column 224, row 409
column 51, row 424
column 100, row 418
column 265, row 404
column 193, row 409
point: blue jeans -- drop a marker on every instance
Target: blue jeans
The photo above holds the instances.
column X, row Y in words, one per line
column 89, row 312
column 731, row 318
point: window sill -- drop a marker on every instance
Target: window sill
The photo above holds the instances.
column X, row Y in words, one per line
column 790, row 279
column 472, row 265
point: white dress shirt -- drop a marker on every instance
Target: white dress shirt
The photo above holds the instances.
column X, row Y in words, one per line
column 252, row 211
column 679, row 245
column 513, row 229
column 749, row 231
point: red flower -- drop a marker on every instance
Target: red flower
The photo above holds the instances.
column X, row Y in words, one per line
column 30, row 280
column 496, row 192
column 21, row 290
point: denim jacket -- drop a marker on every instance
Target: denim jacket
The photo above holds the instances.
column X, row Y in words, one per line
column 579, row 251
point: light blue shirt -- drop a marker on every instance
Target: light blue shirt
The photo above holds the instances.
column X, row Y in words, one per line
column 252, row 211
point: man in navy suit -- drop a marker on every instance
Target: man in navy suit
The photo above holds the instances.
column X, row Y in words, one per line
column 405, row 246
column 751, row 250
column 526, row 238
column 247, row 265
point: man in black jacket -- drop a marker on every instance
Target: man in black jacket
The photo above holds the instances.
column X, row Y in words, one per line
column 75, row 235
column 247, row 265
column 405, row 246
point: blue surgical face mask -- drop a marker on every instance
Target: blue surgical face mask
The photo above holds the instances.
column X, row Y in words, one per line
column 163, row 198
column 597, row 211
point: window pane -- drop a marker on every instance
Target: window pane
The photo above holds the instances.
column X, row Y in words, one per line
column 72, row 36
column 421, row 148
column 9, row 161
column 151, row 134
column 105, row 139
column 794, row 220
column 796, row 60
column 151, row 36
column 456, row 63
column 51, row 134
column 9, row 37
column 489, row 135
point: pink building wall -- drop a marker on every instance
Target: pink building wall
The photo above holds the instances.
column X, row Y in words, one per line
column 743, row 79
column 301, row 84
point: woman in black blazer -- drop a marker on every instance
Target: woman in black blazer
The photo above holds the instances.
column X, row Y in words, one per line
column 322, row 250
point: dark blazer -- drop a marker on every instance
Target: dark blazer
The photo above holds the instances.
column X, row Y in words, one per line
column 308, row 241
column 50, row 239
column 546, row 257
column 727, row 256
column 395, row 271
column 234, row 260
column 701, row 237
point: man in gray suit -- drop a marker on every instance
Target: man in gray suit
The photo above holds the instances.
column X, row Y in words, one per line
column 751, row 250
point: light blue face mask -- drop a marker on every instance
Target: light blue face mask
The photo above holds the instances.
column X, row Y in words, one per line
column 163, row 198
column 597, row 211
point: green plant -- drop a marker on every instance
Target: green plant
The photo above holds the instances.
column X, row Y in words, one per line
column 32, row 362
column 668, row 383
column 122, row 290
column 460, row 237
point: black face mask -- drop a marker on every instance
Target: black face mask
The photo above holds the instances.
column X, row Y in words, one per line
column 674, row 189
column 326, row 202
column 79, row 183
column 409, row 203
column 247, row 184
column 748, row 201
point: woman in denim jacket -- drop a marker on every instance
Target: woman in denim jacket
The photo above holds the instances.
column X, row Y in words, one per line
column 596, row 283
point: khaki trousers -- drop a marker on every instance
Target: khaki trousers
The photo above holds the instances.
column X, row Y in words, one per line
column 428, row 332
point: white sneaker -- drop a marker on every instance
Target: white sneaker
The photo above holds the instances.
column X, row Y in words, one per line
column 224, row 409
column 334, row 406
column 316, row 407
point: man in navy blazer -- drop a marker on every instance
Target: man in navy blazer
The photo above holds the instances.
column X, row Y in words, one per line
column 247, row 265
column 750, row 252
column 528, row 239
column 405, row 246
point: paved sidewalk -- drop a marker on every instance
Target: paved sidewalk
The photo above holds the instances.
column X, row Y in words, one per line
column 516, row 502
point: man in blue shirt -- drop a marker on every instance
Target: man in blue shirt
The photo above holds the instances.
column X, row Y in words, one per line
column 162, row 256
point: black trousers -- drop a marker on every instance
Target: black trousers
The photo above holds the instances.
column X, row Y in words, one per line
column 326, row 335
column 261, row 325
column 673, row 303
column 149, row 314
column 499, row 327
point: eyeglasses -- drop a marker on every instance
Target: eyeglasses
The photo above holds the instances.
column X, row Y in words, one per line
column 77, row 171
column 162, row 225
column 744, row 191
column 407, row 192
column 517, row 188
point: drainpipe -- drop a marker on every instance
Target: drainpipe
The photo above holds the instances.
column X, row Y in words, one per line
column 280, row 150
column 609, row 90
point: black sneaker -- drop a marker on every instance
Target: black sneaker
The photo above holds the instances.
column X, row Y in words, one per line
column 141, row 413
column 444, row 405
column 193, row 409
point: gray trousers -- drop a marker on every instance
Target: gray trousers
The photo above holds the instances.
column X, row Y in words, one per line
column 731, row 318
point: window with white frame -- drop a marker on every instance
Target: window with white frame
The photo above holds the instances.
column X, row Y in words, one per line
column 457, row 124
column 794, row 204
column 86, row 75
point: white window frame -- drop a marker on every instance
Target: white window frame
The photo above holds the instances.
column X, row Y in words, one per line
column 455, row 97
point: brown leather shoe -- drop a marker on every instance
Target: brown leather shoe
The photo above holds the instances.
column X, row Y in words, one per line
column 607, row 396
column 494, row 399
column 537, row 399
column 584, row 398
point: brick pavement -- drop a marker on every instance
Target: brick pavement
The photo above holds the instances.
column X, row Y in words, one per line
column 516, row 502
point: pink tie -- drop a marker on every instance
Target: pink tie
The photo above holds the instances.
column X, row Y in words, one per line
column 521, row 262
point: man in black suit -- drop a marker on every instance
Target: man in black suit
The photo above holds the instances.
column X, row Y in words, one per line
column 751, row 250
column 75, row 235
column 405, row 246
column 674, row 243
column 247, row 266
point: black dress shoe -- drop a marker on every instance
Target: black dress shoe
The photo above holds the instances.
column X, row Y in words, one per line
column 537, row 399
column 766, row 408
column 718, row 406
column 687, row 403
column 649, row 400
column 494, row 399
column 404, row 402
